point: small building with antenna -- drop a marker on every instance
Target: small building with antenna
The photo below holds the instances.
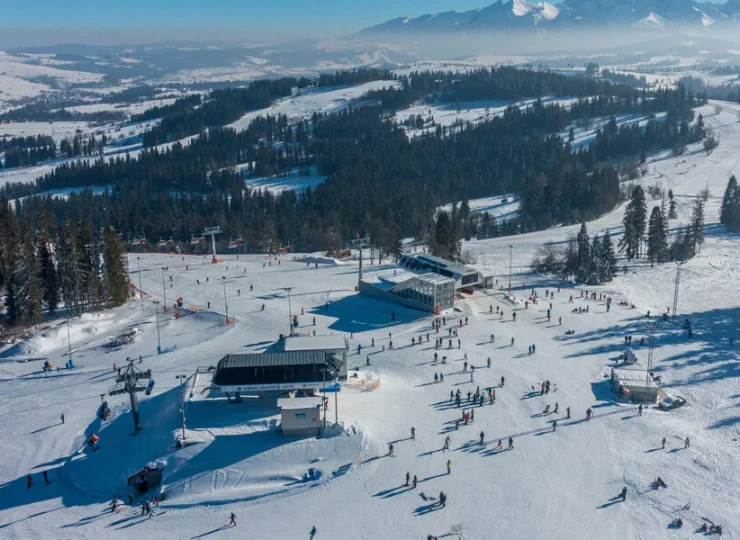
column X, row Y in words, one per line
column 636, row 384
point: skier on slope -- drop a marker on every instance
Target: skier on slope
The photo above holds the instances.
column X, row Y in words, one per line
column 413, row 434
column 313, row 533
column 482, row 435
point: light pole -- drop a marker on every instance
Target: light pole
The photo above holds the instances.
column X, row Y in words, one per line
column 141, row 290
column 675, row 291
column 182, row 403
column 323, row 399
column 69, row 341
column 226, row 306
column 164, row 290
column 511, row 253
column 159, row 343
column 290, row 310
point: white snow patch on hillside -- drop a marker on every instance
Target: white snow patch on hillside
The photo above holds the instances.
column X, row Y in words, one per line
column 501, row 207
column 447, row 114
column 314, row 100
column 294, row 181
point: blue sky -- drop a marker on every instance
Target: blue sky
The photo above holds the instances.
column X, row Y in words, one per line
column 305, row 15
column 46, row 22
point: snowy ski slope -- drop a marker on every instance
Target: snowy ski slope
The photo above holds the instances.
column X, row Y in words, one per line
column 553, row 484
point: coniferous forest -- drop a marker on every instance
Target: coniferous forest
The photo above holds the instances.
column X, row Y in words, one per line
column 379, row 181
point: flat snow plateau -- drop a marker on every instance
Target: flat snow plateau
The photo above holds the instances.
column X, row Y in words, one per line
column 553, row 484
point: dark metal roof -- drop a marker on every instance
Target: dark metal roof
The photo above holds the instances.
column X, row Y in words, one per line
column 293, row 358
column 438, row 262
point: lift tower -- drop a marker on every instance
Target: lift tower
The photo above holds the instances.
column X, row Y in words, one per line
column 212, row 232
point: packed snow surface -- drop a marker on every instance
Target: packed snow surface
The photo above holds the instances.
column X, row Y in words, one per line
column 558, row 483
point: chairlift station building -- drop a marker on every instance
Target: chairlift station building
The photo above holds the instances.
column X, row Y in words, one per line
column 276, row 372
column 424, row 282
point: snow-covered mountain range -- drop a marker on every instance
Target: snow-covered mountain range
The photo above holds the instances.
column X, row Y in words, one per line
column 521, row 14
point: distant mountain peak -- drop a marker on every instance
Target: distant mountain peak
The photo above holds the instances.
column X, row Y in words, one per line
column 524, row 14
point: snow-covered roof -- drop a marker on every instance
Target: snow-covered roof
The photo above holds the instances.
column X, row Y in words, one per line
column 633, row 377
column 398, row 275
column 291, row 404
column 331, row 342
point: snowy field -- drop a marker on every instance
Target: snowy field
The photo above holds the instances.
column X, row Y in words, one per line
column 501, row 207
column 313, row 100
column 553, row 484
column 19, row 80
column 472, row 112
column 294, row 181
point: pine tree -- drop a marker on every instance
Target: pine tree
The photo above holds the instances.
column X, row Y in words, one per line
column 68, row 267
column 49, row 278
column 595, row 275
column 657, row 248
column 671, row 205
column 24, row 291
column 730, row 212
column 608, row 258
column 697, row 225
column 86, row 262
column 114, row 276
column 9, row 241
column 584, row 261
column 35, row 289
column 635, row 218
column 445, row 237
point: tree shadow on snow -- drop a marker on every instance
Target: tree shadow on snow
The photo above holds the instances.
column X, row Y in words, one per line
column 356, row 313
column 709, row 355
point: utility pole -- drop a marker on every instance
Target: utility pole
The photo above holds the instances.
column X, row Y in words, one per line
column 159, row 342
column 360, row 243
column 182, row 403
column 226, row 306
column 141, row 290
column 130, row 382
column 164, row 290
column 511, row 252
column 675, row 291
column 290, row 310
